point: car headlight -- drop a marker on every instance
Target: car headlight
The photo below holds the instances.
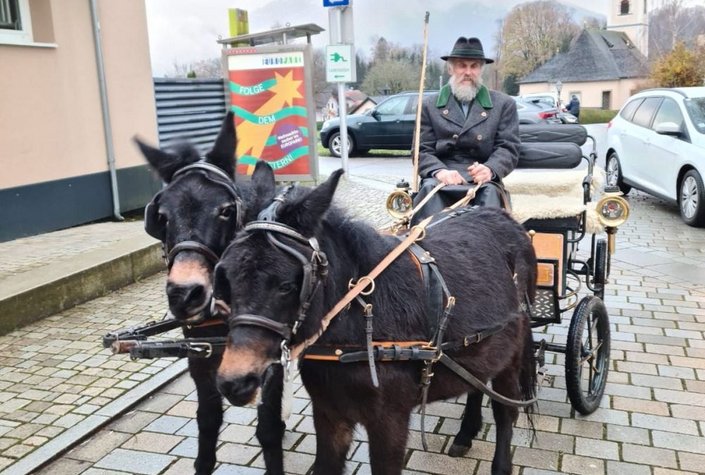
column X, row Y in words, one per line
column 612, row 209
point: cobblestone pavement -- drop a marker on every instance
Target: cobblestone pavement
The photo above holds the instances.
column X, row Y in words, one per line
column 56, row 376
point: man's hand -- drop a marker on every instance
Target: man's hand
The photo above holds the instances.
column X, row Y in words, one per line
column 451, row 177
column 480, row 173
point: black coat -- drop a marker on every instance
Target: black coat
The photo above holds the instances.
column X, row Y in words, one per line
column 489, row 134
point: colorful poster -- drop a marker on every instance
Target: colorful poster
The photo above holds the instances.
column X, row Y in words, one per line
column 273, row 117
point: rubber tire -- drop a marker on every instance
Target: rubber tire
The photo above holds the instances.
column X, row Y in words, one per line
column 697, row 191
column 334, row 144
column 591, row 311
column 600, row 266
column 618, row 179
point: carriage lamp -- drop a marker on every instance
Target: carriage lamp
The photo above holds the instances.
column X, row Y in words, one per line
column 613, row 211
column 399, row 203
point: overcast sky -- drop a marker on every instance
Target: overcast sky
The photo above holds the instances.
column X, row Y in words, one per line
column 185, row 31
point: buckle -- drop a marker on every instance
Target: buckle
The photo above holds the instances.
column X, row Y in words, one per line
column 199, row 347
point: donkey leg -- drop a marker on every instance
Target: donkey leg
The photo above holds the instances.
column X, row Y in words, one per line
column 469, row 427
column 270, row 428
column 333, row 439
column 209, row 414
column 505, row 417
column 388, row 436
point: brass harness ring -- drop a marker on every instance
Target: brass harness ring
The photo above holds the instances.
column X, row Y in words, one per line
column 370, row 285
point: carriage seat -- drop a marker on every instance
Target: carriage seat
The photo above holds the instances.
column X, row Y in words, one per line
column 547, row 187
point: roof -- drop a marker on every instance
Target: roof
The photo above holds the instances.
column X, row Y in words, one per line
column 277, row 35
column 595, row 55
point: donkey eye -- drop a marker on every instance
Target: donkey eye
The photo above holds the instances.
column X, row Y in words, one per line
column 226, row 213
column 287, row 287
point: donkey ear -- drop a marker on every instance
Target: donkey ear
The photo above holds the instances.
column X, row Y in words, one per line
column 263, row 180
column 223, row 153
column 163, row 162
column 308, row 213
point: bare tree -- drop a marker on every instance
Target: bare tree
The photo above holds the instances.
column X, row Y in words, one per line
column 533, row 33
column 205, row 68
column 673, row 23
column 390, row 77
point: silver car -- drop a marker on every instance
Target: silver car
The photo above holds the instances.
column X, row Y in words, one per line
column 657, row 144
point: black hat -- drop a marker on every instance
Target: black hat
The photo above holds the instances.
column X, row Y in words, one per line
column 468, row 48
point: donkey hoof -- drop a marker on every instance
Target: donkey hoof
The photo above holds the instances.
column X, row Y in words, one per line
column 459, row 450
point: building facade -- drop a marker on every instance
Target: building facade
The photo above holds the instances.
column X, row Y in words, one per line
column 77, row 86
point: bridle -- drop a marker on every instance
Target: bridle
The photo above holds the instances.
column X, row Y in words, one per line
column 151, row 219
column 315, row 271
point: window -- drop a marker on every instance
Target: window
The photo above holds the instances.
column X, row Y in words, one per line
column 15, row 22
column 669, row 112
column 628, row 110
column 393, row 106
column 645, row 112
column 624, row 7
column 696, row 109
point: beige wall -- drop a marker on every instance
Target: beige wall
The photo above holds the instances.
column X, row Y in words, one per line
column 590, row 93
column 51, row 123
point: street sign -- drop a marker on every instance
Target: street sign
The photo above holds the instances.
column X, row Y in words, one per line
column 340, row 63
column 336, row 3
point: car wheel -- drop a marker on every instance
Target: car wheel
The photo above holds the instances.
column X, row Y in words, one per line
column 335, row 145
column 614, row 174
column 691, row 199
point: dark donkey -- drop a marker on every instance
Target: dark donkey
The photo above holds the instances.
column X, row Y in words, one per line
column 196, row 216
column 275, row 278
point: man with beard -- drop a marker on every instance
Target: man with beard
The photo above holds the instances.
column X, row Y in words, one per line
column 469, row 135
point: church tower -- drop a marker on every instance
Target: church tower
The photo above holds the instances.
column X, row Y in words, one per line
column 632, row 18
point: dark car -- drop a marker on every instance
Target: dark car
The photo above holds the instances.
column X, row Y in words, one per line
column 536, row 113
column 389, row 125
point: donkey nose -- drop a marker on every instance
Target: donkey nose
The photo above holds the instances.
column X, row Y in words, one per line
column 239, row 391
column 183, row 298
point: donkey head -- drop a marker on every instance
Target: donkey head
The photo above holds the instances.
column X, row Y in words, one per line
column 196, row 215
column 270, row 278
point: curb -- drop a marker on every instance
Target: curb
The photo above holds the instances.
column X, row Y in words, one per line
column 47, row 290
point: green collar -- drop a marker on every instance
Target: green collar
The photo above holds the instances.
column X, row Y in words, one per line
column 482, row 98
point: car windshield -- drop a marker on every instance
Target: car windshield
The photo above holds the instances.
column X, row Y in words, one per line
column 696, row 109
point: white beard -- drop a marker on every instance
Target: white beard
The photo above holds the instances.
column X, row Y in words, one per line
column 463, row 92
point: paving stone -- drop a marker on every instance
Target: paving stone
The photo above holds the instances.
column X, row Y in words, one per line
column 536, row 458
column 622, row 468
column 65, row 466
column 167, row 424
column 98, row 446
column 640, row 405
column 440, row 464
column 680, row 442
column 135, row 462
column 649, row 455
column 582, row 465
column 632, row 435
column 133, row 422
column 597, row 448
column 152, row 442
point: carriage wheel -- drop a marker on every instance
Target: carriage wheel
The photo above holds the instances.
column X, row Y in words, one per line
column 587, row 354
column 600, row 267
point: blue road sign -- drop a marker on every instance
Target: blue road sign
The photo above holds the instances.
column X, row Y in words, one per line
column 336, row 3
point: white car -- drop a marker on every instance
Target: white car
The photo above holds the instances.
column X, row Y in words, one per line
column 657, row 144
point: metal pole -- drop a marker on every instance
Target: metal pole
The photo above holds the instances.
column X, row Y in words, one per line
column 342, row 106
column 105, row 109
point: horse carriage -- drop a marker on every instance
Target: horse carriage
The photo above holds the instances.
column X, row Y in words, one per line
column 557, row 196
column 257, row 275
